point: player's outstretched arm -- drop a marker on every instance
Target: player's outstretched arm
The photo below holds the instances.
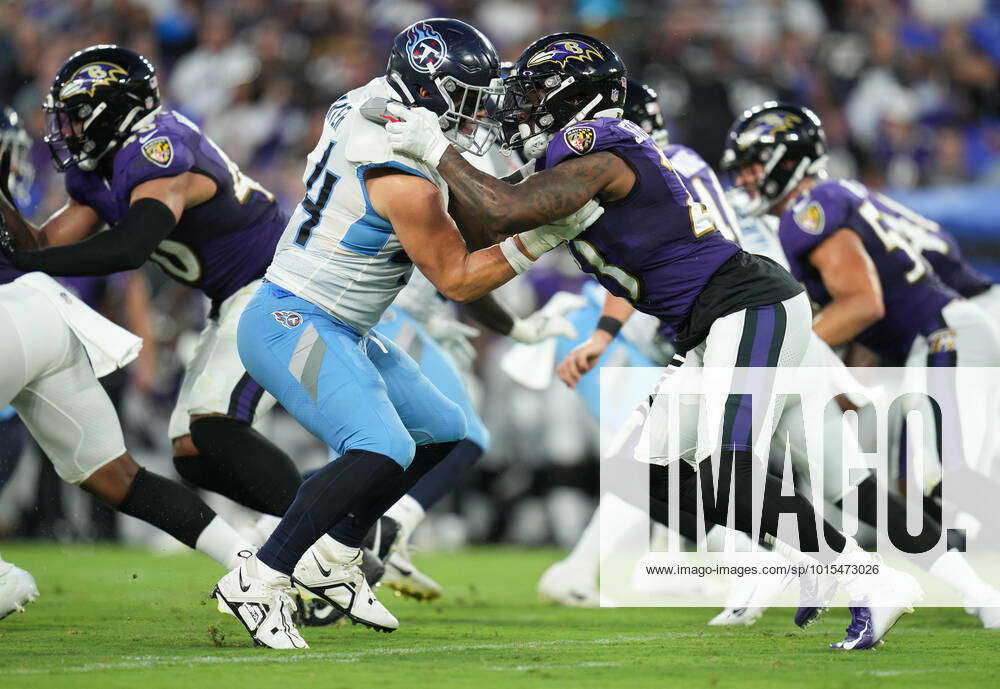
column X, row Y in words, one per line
column 584, row 356
column 156, row 206
column 539, row 326
column 503, row 208
column 850, row 277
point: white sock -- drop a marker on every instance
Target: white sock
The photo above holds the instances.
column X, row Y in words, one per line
column 953, row 569
column 408, row 512
column 266, row 525
column 221, row 543
column 335, row 551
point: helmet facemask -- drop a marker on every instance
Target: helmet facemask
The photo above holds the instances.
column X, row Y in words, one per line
column 468, row 122
column 83, row 134
column 535, row 107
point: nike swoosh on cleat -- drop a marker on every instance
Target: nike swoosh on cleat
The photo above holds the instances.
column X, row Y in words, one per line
column 243, row 588
column 325, row 572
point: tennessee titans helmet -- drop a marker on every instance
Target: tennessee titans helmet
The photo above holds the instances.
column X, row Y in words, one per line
column 15, row 158
column 786, row 140
column 559, row 80
column 452, row 69
column 643, row 108
column 98, row 97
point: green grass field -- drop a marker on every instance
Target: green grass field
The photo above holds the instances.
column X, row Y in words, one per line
column 114, row 617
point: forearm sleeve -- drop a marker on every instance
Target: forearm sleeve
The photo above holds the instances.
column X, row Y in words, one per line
column 125, row 246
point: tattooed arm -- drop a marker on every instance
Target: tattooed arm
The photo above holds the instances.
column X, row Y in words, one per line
column 501, row 209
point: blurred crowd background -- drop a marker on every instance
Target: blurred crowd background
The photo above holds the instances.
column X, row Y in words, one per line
column 907, row 91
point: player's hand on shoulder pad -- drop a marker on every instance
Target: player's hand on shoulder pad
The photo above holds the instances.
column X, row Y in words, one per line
column 417, row 134
column 541, row 326
column 453, row 336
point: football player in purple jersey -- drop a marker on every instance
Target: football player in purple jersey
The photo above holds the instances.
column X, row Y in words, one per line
column 168, row 194
column 53, row 350
column 654, row 246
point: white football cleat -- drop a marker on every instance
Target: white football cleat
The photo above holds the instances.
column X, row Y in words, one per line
column 749, row 596
column 563, row 585
column 736, row 617
column 402, row 576
column 261, row 600
column 885, row 597
column 17, row 589
column 342, row 585
column 988, row 613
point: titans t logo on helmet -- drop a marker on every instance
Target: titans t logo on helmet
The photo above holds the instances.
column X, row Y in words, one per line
column 768, row 124
column 425, row 48
column 561, row 52
column 89, row 77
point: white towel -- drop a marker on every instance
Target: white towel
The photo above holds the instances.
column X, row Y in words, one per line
column 533, row 365
column 109, row 346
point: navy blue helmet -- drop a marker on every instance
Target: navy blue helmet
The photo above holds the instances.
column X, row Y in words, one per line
column 453, row 70
column 786, row 140
column 98, row 97
column 15, row 158
column 559, row 80
column 643, row 108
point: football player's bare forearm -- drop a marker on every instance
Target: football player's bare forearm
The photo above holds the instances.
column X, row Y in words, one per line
column 845, row 318
column 617, row 308
column 545, row 197
column 467, row 277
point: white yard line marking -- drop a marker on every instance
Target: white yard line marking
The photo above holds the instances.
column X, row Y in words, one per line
column 139, row 662
column 523, row 668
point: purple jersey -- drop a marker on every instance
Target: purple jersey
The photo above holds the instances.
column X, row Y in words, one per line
column 218, row 246
column 938, row 247
column 913, row 295
column 657, row 248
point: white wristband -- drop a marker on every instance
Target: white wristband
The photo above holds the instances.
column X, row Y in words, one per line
column 515, row 257
column 536, row 242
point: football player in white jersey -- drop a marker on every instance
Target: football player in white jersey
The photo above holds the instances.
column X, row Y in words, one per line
column 369, row 216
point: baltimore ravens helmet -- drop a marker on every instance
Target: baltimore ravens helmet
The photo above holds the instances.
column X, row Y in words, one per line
column 786, row 140
column 98, row 97
column 643, row 108
column 452, row 69
column 559, row 80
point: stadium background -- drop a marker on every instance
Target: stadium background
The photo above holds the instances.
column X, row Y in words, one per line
column 907, row 92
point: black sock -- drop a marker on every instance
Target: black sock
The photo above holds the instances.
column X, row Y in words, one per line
column 351, row 530
column 168, row 506
column 443, row 478
column 739, row 463
column 324, row 500
column 240, row 463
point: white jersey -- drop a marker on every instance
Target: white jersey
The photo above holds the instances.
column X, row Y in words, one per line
column 759, row 233
column 337, row 252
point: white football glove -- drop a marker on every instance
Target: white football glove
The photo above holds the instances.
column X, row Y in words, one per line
column 453, row 336
column 417, row 134
column 548, row 237
column 541, row 326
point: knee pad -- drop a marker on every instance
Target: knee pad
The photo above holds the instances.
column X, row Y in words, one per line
column 452, row 425
column 397, row 446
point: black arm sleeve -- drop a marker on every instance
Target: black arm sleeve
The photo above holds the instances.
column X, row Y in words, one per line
column 492, row 313
column 125, row 246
